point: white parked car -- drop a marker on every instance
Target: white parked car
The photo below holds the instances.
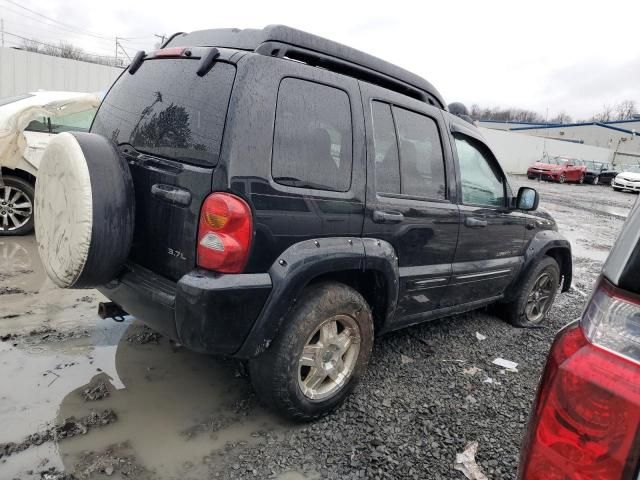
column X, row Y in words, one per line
column 628, row 179
column 27, row 123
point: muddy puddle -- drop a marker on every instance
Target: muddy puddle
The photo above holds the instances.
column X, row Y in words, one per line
column 177, row 411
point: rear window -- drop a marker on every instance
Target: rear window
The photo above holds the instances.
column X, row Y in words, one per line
column 17, row 98
column 165, row 109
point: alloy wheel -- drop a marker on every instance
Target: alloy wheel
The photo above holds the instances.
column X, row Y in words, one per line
column 562, row 178
column 329, row 357
column 16, row 208
column 596, row 180
column 538, row 299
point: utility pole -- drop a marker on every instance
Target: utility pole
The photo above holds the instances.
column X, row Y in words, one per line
column 116, row 62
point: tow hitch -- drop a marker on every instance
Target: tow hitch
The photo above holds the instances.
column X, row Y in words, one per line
column 111, row 310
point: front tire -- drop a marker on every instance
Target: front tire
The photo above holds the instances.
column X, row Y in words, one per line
column 319, row 355
column 596, row 180
column 16, row 206
column 535, row 295
column 562, row 178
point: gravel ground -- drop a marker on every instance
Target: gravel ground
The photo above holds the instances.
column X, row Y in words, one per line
column 429, row 391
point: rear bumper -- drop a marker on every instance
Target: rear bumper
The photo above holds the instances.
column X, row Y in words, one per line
column 206, row 312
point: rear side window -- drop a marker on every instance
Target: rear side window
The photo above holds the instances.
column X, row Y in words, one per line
column 312, row 144
column 165, row 109
column 408, row 153
column 386, row 149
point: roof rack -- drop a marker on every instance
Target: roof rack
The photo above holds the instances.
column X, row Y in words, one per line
column 286, row 42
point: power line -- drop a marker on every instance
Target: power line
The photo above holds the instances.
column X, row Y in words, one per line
column 72, row 27
column 47, row 27
column 87, row 32
column 57, row 47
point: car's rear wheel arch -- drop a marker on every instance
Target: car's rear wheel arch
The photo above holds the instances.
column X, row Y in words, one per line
column 371, row 284
column 562, row 256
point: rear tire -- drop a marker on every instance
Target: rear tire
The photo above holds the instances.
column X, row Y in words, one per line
column 16, row 206
column 581, row 180
column 288, row 376
column 596, row 180
column 543, row 277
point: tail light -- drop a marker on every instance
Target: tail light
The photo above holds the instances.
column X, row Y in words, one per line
column 586, row 419
column 224, row 233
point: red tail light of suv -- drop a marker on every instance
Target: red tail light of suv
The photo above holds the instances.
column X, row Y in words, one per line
column 585, row 422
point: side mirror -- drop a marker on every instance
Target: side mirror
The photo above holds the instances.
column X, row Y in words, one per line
column 527, row 199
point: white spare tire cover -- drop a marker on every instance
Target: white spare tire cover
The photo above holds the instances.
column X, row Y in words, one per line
column 84, row 210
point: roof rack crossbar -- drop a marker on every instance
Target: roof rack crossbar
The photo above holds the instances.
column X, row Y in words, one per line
column 282, row 41
column 317, row 59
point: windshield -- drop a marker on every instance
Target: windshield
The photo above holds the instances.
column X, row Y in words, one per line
column 558, row 161
column 631, row 168
column 165, row 109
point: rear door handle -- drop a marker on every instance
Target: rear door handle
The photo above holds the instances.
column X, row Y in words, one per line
column 473, row 222
column 387, row 217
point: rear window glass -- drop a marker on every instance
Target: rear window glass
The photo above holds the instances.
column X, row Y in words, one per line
column 17, row 98
column 165, row 109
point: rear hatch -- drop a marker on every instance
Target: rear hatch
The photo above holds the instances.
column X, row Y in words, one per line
column 168, row 122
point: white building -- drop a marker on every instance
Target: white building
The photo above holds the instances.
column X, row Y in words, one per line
column 621, row 138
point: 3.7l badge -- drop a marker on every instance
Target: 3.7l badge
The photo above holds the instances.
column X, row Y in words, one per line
column 176, row 253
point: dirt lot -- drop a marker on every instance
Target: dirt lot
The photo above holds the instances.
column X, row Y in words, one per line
column 85, row 398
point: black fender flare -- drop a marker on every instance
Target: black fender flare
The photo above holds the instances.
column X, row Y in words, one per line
column 307, row 260
column 540, row 245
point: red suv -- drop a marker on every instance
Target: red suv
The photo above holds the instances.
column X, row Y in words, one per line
column 585, row 422
column 558, row 169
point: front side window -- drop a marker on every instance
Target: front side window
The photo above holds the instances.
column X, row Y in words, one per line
column 313, row 143
column 482, row 181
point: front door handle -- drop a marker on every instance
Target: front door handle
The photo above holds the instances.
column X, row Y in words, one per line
column 473, row 222
column 387, row 217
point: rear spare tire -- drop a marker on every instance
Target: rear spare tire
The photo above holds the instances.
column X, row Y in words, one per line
column 84, row 209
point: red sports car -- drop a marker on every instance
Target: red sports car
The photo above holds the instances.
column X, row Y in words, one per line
column 558, row 169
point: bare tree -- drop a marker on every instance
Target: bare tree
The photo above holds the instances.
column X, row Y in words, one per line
column 605, row 115
column 625, row 110
column 504, row 114
column 562, row 117
column 68, row 50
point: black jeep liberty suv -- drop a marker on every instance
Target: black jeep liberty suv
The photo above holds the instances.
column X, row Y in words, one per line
column 274, row 196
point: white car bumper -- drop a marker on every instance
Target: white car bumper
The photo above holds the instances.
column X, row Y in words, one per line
column 626, row 184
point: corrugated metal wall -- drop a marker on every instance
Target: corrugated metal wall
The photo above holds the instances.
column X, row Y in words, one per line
column 516, row 152
column 22, row 72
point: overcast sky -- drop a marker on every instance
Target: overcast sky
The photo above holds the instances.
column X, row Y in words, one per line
column 572, row 56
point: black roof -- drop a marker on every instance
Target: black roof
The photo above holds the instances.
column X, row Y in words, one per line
column 283, row 41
